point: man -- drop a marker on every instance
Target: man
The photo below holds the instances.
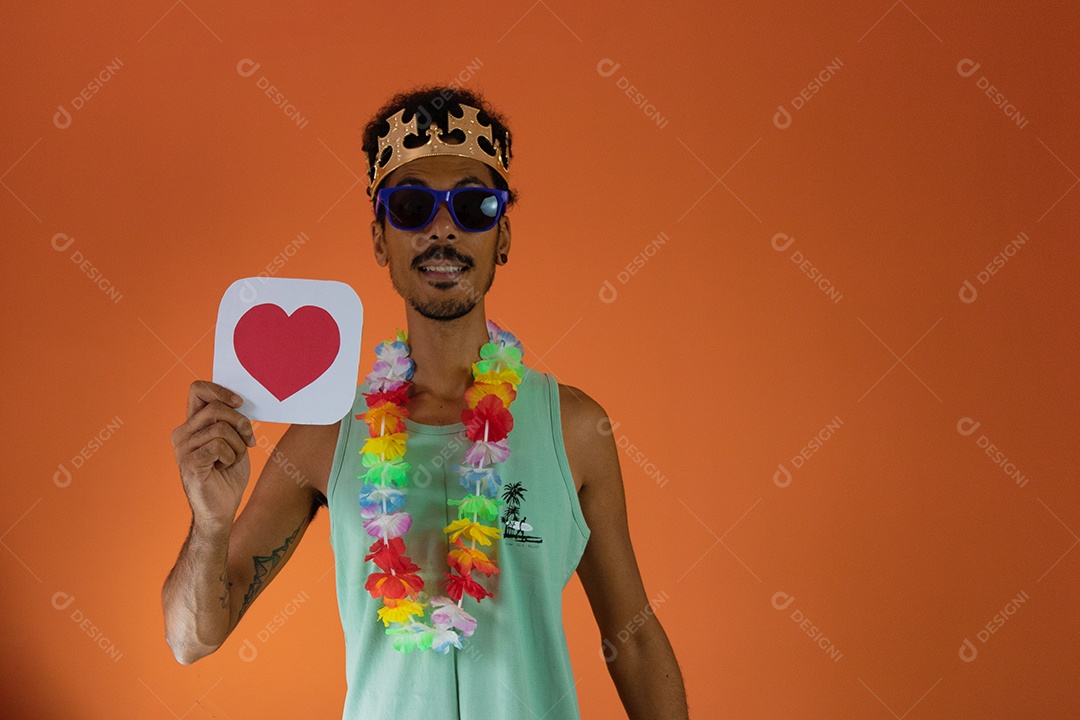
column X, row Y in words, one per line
column 562, row 502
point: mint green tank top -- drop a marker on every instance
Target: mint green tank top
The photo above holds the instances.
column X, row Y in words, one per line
column 516, row 663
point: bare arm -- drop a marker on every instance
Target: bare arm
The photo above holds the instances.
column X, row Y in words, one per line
column 225, row 564
column 640, row 659
column 196, row 595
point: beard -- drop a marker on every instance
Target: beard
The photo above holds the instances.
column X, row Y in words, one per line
column 449, row 308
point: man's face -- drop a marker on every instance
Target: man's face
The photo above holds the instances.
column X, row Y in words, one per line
column 441, row 243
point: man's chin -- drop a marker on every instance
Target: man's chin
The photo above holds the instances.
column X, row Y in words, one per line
column 444, row 310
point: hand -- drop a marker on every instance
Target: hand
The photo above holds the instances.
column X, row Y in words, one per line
column 211, row 452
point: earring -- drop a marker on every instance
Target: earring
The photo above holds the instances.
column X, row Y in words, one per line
column 502, row 256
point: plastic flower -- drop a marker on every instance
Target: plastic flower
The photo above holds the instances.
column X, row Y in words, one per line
column 382, row 472
column 397, row 394
column 486, row 453
column 390, row 555
column 399, row 610
column 394, row 586
column 495, row 357
column 457, row 584
column 504, row 338
column 477, row 505
column 450, row 615
column 423, row 637
column 496, row 378
column 479, row 480
column 505, row 375
column 390, row 525
column 468, row 559
column 412, row 637
column 473, row 530
column 387, row 446
column 384, row 497
column 391, row 350
column 393, row 365
column 505, row 392
column 385, row 374
column 489, row 420
column 443, row 638
column 384, row 418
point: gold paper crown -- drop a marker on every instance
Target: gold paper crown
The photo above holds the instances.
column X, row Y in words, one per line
column 479, row 144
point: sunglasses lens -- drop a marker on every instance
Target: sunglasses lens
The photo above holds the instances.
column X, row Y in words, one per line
column 409, row 209
column 476, row 210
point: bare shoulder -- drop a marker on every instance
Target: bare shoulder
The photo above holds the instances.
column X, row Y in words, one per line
column 578, row 409
column 586, row 435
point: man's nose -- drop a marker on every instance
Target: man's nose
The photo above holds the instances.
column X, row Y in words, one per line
column 442, row 225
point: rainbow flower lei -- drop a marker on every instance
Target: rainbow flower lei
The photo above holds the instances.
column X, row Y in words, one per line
column 488, row 422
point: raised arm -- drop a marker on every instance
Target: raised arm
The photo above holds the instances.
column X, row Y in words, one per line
column 224, row 564
column 640, row 659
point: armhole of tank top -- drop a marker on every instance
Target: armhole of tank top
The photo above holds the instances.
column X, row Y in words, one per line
column 560, row 453
column 339, row 460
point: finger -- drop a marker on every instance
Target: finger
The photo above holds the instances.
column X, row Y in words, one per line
column 217, row 450
column 215, row 411
column 222, row 430
column 202, row 392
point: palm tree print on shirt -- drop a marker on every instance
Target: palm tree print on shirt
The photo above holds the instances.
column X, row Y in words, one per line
column 514, row 525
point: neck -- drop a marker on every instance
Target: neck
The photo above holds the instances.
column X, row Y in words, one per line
column 444, row 350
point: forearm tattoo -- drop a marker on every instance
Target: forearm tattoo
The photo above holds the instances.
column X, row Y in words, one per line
column 226, row 584
column 263, row 565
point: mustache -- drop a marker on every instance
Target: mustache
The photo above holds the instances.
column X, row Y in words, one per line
column 442, row 253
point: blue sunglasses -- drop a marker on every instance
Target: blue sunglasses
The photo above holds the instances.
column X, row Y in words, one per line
column 412, row 207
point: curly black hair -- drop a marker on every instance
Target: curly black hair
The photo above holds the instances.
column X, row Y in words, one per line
column 431, row 103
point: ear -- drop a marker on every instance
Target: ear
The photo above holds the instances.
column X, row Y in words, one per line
column 378, row 241
column 503, row 243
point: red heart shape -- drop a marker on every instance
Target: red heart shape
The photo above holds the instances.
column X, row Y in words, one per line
column 286, row 353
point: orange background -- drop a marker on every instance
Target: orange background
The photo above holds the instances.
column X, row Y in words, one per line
column 900, row 538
